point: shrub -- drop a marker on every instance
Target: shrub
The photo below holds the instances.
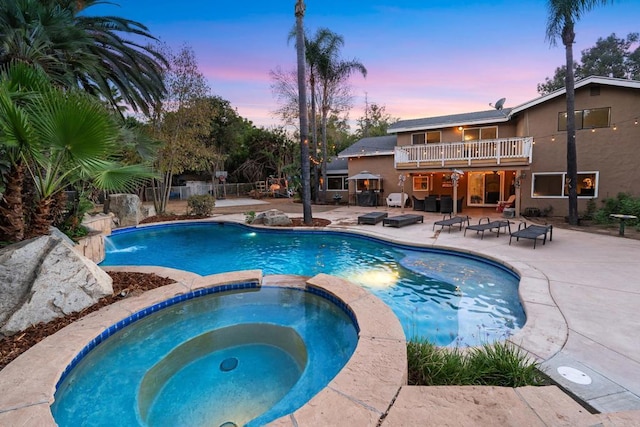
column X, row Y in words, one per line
column 249, row 217
column 201, row 205
column 498, row 364
column 623, row 203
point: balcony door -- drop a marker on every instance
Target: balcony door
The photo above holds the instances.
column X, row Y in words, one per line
column 484, row 188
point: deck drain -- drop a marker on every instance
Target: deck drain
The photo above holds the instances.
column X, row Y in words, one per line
column 228, row 365
column 574, row 375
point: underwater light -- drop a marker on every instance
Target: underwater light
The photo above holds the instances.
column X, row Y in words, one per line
column 375, row 278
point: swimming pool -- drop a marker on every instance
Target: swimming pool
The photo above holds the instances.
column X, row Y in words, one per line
column 446, row 297
column 252, row 353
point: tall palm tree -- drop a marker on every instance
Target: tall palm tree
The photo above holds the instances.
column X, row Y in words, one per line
column 79, row 50
column 561, row 21
column 333, row 73
column 302, row 110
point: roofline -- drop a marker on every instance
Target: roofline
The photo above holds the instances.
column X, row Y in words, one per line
column 453, row 124
column 609, row 81
column 367, row 154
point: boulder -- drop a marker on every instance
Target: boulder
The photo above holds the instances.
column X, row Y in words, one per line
column 126, row 207
column 44, row 278
column 272, row 217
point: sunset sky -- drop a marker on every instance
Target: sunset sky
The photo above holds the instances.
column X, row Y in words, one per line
column 424, row 58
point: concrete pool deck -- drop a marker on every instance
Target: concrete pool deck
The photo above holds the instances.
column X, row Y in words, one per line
column 581, row 299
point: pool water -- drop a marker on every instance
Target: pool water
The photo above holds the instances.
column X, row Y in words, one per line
column 446, row 297
column 243, row 357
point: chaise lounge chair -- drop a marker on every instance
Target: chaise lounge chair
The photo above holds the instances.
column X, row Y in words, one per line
column 372, row 218
column 402, row 220
column 451, row 221
column 489, row 225
column 533, row 232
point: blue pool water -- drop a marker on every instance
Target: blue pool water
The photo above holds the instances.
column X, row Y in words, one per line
column 446, row 297
column 244, row 357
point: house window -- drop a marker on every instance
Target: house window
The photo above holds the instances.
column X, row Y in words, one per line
column 474, row 134
column 337, row 183
column 432, row 137
column 554, row 185
column 587, row 119
column 417, row 138
column 421, row 183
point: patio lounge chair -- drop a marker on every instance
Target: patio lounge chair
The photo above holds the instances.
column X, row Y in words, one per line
column 402, row 220
column 448, row 222
column 533, row 232
column 372, row 218
column 489, row 225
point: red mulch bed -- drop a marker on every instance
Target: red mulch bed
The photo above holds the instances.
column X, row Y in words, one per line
column 124, row 285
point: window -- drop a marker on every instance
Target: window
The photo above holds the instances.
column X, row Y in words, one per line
column 421, row 183
column 548, row 185
column 432, row 137
column 417, row 138
column 586, row 119
column 474, row 134
column 337, row 183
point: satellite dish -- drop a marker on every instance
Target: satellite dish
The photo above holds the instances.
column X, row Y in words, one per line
column 500, row 103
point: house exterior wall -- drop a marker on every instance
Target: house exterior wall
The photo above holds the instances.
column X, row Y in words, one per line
column 614, row 154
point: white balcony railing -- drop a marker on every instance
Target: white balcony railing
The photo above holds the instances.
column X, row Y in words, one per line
column 493, row 150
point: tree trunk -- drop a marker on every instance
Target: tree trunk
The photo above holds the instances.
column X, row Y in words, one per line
column 325, row 113
column 11, row 207
column 568, row 37
column 41, row 220
column 304, row 120
column 314, row 137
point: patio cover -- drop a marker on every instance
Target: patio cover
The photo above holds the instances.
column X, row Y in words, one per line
column 365, row 175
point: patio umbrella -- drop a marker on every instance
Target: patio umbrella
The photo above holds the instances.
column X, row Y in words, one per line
column 365, row 175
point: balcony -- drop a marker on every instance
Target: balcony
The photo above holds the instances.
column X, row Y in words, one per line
column 481, row 153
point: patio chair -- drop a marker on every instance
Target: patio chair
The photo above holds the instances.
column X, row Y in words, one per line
column 532, row 232
column 506, row 203
column 418, row 204
column 489, row 225
column 402, row 220
column 372, row 218
column 446, row 204
column 395, row 199
column 451, row 221
column 431, row 204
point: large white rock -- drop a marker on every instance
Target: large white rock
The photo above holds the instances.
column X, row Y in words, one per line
column 272, row 217
column 44, row 278
column 126, row 207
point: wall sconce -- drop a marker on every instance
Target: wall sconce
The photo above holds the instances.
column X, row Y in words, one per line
column 593, row 130
column 615, row 127
column 460, row 127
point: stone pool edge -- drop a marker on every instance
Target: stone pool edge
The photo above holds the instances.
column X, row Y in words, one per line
column 357, row 392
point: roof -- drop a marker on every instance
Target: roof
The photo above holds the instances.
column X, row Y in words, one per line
column 477, row 118
column 606, row 81
column 503, row 115
column 338, row 165
column 371, row 146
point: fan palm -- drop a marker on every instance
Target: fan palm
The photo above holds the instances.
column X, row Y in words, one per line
column 560, row 23
column 78, row 50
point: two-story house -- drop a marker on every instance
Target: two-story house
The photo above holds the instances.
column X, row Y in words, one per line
column 518, row 151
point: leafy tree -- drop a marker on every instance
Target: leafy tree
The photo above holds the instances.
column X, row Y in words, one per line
column 375, row 121
column 76, row 49
column 560, row 23
column 609, row 57
column 302, row 114
column 181, row 121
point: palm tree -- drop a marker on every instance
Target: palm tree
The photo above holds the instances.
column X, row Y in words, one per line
column 59, row 137
column 78, row 50
column 560, row 23
column 333, row 73
column 302, row 110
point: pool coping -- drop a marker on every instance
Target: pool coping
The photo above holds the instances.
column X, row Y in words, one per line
column 364, row 388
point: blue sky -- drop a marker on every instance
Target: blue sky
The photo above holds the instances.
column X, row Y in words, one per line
column 424, row 58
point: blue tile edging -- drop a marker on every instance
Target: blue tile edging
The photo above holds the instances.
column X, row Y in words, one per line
column 191, row 295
